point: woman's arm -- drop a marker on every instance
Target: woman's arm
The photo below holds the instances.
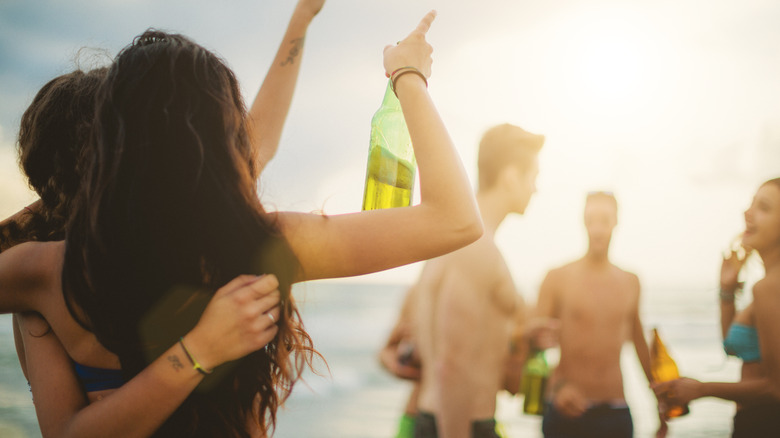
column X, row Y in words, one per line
column 519, row 346
column 684, row 390
column 729, row 283
column 35, row 206
column 46, row 365
column 272, row 103
column 25, row 274
column 765, row 307
column 12, row 227
column 235, row 323
column 401, row 332
column 446, row 219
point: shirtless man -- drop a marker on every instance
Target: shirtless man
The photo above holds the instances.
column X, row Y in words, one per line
column 466, row 301
column 598, row 307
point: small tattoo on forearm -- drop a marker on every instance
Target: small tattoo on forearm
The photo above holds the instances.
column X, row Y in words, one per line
column 297, row 45
column 175, row 362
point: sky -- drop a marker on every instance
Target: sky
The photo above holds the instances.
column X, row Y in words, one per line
column 672, row 105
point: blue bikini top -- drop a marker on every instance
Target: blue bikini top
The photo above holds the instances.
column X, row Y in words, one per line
column 742, row 341
column 98, row 379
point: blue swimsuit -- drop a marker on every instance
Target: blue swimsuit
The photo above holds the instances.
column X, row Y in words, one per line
column 98, row 379
column 742, row 341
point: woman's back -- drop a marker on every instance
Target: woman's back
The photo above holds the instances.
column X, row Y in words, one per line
column 169, row 213
column 37, row 272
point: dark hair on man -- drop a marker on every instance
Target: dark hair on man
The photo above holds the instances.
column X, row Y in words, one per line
column 169, row 213
column 504, row 145
column 54, row 131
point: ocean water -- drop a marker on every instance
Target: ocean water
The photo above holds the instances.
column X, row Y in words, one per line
column 352, row 397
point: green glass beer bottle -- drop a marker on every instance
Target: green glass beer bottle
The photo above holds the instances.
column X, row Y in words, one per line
column 534, row 383
column 391, row 166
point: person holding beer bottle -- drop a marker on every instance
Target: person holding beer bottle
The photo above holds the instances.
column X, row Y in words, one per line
column 597, row 304
column 753, row 333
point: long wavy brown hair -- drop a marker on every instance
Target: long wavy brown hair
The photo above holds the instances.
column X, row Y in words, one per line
column 169, row 212
column 52, row 136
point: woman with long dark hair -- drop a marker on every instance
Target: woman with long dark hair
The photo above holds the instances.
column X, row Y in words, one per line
column 53, row 132
column 170, row 212
column 52, row 138
column 752, row 334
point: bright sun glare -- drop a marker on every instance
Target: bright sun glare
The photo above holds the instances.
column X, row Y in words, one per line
column 607, row 62
column 610, row 67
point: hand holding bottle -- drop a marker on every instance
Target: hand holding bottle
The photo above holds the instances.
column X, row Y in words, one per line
column 240, row 319
column 678, row 392
column 412, row 51
column 664, row 369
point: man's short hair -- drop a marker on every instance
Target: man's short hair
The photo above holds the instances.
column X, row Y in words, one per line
column 503, row 145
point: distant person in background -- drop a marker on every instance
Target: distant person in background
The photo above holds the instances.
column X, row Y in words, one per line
column 466, row 302
column 752, row 334
column 597, row 304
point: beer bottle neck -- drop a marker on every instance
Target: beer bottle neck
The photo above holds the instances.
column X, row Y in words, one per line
column 390, row 100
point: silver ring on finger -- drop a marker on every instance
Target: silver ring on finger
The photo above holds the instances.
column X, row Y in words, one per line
column 273, row 320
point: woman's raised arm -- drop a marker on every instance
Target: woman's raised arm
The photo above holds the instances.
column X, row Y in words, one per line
column 272, row 103
column 447, row 217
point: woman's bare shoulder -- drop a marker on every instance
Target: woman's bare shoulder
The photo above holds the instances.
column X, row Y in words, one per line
column 768, row 288
column 26, row 270
column 35, row 254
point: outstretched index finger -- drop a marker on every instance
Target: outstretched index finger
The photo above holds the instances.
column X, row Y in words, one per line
column 425, row 23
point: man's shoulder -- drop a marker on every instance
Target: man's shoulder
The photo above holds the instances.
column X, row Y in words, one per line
column 626, row 275
column 563, row 270
column 479, row 265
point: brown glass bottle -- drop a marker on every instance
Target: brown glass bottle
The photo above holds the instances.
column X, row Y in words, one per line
column 664, row 369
